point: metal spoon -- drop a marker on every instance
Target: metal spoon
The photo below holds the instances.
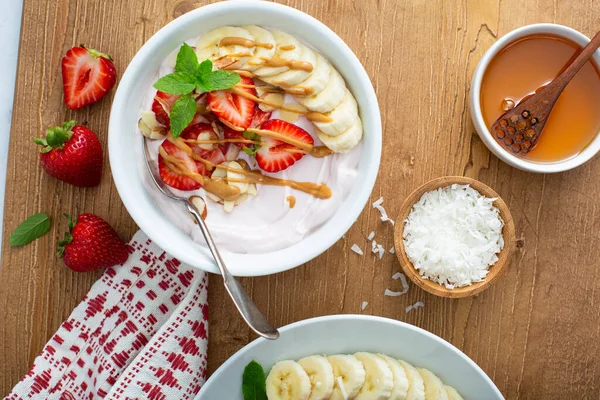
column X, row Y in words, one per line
column 519, row 129
column 250, row 313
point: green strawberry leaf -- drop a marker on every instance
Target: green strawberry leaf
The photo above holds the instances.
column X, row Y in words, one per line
column 182, row 114
column 32, row 228
column 254, row 382
column 176, row 83
column 187, row 61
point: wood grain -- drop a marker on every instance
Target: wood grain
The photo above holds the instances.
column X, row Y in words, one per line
column 535, row 332
column 495, row 271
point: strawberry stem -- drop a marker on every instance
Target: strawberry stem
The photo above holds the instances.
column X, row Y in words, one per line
column 68, row 238
column 96, row 53
column 56, row 137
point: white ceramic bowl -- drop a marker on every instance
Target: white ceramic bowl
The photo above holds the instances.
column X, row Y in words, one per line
column 347, row 334
column 124, row 141
column 475, row 105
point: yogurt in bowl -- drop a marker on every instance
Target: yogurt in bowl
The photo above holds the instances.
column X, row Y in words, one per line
column 264, row 234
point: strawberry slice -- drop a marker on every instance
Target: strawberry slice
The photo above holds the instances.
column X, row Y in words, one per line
column 272, row 155
column 87, row 76
column 173, row 178
column 232, row 109
column 260, row 116
column 162, row 105
column 214, row 155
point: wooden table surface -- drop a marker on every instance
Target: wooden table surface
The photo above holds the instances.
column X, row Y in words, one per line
column 535, row 332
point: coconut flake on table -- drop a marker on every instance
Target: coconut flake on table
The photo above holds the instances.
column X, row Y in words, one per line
column 356, row 249
column 453, row 235
column 416, row 305
column 378, row 206
column 377, row 249
column 392, row 251
column 364, row 305
column 371, row 236
column 396, row 276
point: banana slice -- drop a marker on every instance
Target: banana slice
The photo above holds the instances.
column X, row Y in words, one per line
column 341, row 118
column 416, row 387
column 349, row 376
column 400, row 389
column 294, row 76
column 231, row 57
column 261, row 53
column 328, row 98
column 379, row 380
column 434, row 388
column 452, row 393
column 321, row 377
column 288, row 381
column 344, row 142
column 317, row 81
column 288, row 48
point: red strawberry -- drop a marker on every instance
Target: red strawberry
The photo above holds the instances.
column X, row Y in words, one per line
column 90, row 244
column 229, row 133
column 272, row 155
column 87, row 76
column 215, row 155
column 162, row 105
column 72, row 153
column 173, row 178
column 231, row 108
column 260, row 116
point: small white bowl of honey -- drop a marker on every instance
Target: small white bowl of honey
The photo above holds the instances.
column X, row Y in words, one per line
column 517, row 65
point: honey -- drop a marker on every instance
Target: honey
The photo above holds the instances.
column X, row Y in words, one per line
column 529, row 63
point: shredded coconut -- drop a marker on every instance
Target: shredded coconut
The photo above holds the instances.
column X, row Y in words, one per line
column 398, row 275
column 378, row 206
column 392, row 251
column 452, row 235
column 416, row 305
column 364, row 305
column 371, row 236
column 356, row 249
column 373, row 246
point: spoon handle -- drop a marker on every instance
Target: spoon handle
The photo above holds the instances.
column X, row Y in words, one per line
column 588, row 51
column 250, row 313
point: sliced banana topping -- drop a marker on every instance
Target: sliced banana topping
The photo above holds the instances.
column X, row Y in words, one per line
column 288, row 381
column 288, row 48
column 434, row 388
column 379, row 380
column 321, row 376
column 349, row 376
column 231, row 56
column 344, row 142
column 265, row 49
column 400, row 389
column 294, row 76
column 317, row 81
column 328, row 98
column 341, row 118
column 416, row 387
column 452, row 393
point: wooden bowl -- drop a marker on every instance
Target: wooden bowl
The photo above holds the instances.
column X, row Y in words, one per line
column 508, row 233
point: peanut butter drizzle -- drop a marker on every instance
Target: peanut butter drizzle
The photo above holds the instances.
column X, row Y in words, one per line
column 291, row 201
column 291, row 64
column 321, row 152
column 311, row 116
column 286, row 139
column 287, row 47
column 241, row 72
column 318, row 190
column 240, row 41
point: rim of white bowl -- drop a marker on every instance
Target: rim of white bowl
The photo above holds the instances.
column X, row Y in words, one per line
column 475, row 107
column 165, row 234
column 359, row 318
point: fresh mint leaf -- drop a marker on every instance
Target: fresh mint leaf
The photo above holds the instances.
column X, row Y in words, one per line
column 176, row 83
column 251, row 135
column 254, row 382
column 249, row 151
column 205, row 69
column 182, row 113
column 187, row 61
column 221, row 80
column 32, row 228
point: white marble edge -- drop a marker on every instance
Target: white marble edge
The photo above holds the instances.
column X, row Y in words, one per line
column 10, row 33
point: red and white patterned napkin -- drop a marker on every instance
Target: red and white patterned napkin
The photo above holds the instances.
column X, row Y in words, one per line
column 140, row 333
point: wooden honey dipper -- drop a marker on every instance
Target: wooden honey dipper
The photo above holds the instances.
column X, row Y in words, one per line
column 519, row 129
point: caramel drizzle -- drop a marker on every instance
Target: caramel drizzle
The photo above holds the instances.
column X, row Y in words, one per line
column 287, row 47
column 291, row 64
column 221, row 189
column 240, row 41
column 294, row 90
column 286, row 139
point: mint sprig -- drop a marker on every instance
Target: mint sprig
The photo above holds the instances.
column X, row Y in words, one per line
column 254, row 382
column 190, row 78
column 251, row 149
column 32, row 228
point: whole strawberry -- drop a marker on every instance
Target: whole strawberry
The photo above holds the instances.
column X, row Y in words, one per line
column 91, row 244
column 72, row 153
column 87, row 76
